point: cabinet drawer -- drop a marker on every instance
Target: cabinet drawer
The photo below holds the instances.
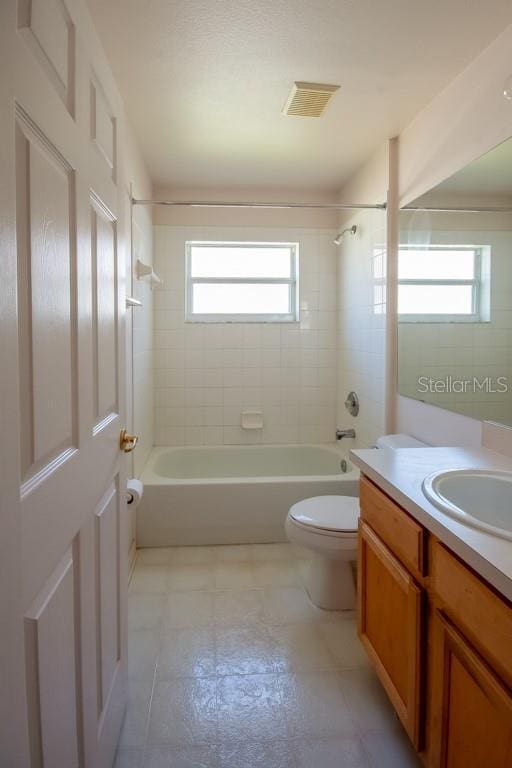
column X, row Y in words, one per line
column 403, row 535
column 485, row 617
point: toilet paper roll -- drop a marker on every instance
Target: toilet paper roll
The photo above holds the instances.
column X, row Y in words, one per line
column 134, row 490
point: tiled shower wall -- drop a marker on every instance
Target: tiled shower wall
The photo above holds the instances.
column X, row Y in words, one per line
column 206, row 374
column 361, row 324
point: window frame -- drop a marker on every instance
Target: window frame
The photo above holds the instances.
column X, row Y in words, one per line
column 477, row 286
column 292, row 282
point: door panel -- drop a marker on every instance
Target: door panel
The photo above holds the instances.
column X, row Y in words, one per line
column 104, row 292
column 48, row 30
column 103, row 128
column 47, row 300
column 108, row 653
column 470, row 708
column 391, row 627
column 52, row 636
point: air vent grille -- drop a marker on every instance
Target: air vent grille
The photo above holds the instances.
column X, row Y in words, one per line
column 309, row 99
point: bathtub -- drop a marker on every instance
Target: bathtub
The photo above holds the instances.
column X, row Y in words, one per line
column 234, row 494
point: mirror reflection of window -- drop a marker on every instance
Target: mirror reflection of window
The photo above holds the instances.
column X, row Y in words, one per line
column 443, row 283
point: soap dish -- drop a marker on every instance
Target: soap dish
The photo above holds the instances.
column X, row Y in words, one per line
column 251, row 420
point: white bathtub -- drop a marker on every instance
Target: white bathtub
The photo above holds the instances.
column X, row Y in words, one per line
column 234, row 494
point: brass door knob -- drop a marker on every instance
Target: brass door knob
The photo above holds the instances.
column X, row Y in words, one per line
column 127, row 442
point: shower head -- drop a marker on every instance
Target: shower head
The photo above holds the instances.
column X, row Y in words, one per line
column 338, row 238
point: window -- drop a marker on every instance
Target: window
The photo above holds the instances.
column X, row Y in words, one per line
column 443, row 284
column 242, row 282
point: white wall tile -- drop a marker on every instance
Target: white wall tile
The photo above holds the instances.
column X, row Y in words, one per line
column 210, row 372
column 360, row 323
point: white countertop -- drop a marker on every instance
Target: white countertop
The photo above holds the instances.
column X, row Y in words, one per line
column 400, row 474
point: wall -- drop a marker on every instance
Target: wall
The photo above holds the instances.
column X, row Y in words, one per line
column 205, row 374
column 462, row 123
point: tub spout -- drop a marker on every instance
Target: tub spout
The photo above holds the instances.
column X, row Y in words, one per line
column 341, row 433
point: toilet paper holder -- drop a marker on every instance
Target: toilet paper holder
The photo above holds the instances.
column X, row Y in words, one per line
column 134, row 491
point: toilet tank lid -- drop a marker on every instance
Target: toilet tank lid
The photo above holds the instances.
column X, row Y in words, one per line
column 399, row 441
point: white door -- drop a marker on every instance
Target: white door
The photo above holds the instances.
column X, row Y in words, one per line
column 63, row 537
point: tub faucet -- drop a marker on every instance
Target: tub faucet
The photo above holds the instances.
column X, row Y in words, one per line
column 341, row 433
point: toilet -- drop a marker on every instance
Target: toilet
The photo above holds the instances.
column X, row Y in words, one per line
column 327, row 527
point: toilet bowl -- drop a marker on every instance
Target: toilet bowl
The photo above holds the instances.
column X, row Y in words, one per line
column 327, row 527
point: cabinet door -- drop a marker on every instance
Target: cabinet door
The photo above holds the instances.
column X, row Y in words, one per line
column 470, row 708
column 391, row 627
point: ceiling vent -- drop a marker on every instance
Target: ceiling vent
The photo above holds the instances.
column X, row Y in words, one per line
column 309, row 99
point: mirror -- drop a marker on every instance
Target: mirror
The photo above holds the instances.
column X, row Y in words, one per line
column 455, row 292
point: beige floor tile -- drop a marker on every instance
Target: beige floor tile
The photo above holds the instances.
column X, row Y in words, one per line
column 315, row 705
column 290, row 605
column 250, row 707
column 154, row 556
column 192, row 555
column 237, row 608
column 189, row 577
column 143, row 645
column 258, row 754
column 369, row 705
column 186, row 653
column 145, row 611
column 274, row 573
column 188, row 609
column 234, row 575
column 181, row 757
column 149, row 579
column 390, row 750
column 302, row 568
column 343, row 643
column 300, row 648
column 184, row 711
column 135, row 723
column 233, row 553
column 274, row 552
column 226, row 649
column 332, row 752
column 244, row 650
column 300, row 553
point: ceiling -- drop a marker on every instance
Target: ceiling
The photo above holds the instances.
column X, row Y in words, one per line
column 204, row 81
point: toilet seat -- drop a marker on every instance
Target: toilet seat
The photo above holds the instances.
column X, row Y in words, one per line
column 327, row 515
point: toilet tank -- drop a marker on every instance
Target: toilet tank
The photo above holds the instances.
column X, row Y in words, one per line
column 399, row 441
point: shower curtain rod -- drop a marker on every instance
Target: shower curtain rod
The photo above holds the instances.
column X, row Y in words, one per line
column 227, row 204
column 325, row 206
column 476, row 209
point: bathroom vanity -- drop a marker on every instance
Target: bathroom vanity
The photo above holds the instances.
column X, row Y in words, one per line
column 435, row 610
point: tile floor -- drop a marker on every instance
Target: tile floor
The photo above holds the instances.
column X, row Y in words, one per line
column 231, row 666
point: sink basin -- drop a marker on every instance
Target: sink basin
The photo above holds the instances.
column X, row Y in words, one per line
column 480, row 498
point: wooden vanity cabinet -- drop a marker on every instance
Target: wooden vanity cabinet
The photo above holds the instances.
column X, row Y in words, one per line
column 470, row 668
column 390, row 625
column 439, row 637
column 470, row 707
column 391, row 602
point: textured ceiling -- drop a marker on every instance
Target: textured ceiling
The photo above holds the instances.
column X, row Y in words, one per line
column 204, row 81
